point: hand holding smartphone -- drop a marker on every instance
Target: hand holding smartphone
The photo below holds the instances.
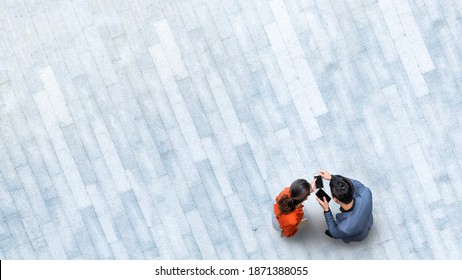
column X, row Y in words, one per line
column 318, row 179
column 321, row 194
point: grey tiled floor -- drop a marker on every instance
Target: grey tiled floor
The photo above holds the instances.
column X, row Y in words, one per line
column 164, row 129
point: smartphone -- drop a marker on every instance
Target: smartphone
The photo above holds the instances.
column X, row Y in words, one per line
column 321, row 194
column 318, row 178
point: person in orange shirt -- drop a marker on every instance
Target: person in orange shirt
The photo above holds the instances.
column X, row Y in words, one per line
column 288, row 209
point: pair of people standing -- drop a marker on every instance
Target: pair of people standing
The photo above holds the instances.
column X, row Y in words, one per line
column 351, row 224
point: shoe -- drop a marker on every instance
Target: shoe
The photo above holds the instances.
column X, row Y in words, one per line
column 327, row 232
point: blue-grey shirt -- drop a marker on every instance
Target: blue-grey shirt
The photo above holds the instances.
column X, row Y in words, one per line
column 353, row 225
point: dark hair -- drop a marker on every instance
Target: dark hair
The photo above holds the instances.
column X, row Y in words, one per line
column 342, row 188
column 299, row 191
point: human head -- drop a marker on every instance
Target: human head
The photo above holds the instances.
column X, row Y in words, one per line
column 342, row 188
column 299, row 192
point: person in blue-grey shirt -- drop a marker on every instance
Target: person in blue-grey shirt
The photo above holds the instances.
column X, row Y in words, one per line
column 355, row 218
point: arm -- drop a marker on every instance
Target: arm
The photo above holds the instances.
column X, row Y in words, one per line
column 332, row 226
column 359, row 187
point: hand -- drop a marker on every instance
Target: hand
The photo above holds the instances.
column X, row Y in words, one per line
column 324, row 204
column 325, row 174
column 313, row 186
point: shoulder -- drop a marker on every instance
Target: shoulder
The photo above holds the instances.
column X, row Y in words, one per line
column 356, row 182
column 360, row 187
column 285, row 191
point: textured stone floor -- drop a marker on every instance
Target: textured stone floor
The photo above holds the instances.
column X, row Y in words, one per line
column 164, row 129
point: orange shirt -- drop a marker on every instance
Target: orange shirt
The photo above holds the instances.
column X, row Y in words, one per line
column 288, row 222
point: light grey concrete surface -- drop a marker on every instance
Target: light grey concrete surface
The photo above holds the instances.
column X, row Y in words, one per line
column 164, row 129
